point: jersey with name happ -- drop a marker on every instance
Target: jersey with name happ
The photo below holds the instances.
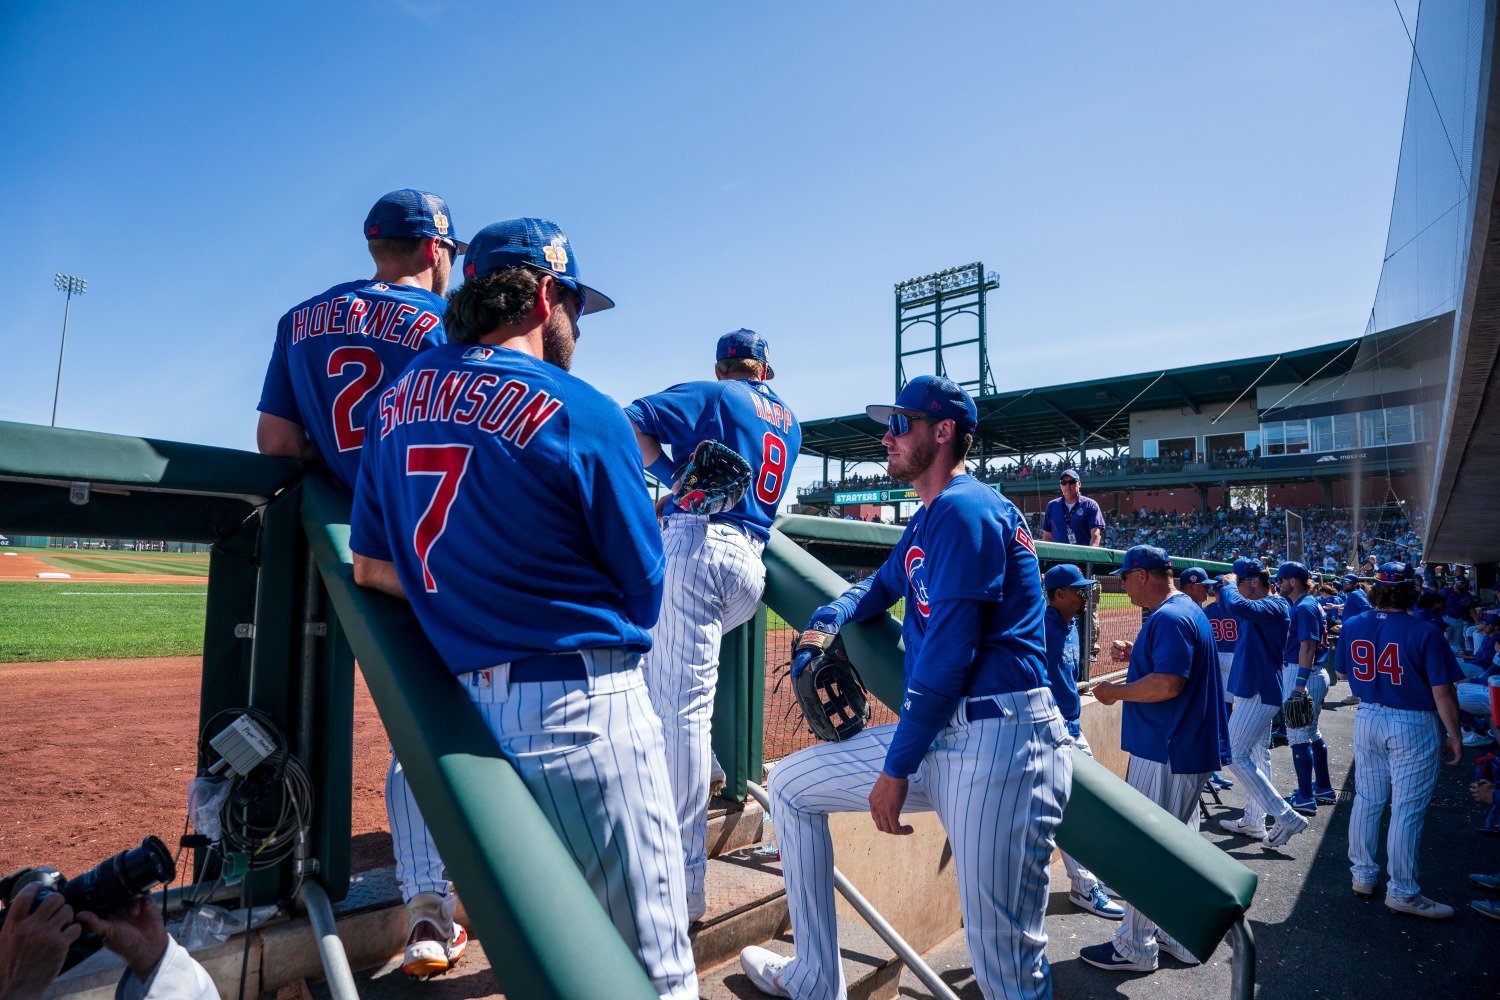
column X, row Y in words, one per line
column 1392, row 659
column 509, row 495
column 1263, row 626
column 742, row 414
column 337, row 352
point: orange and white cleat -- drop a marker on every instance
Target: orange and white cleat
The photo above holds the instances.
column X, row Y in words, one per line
column 434, row 942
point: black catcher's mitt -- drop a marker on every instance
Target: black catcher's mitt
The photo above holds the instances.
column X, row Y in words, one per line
column 832, row 696
column 713, row 481
column 1298, row 710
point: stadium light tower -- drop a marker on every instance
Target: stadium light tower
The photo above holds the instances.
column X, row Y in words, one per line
column 73, row 285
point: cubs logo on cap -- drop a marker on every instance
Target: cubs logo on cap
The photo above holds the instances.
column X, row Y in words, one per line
column 1193, row 574
column 1143, row 557
column 743, row 343
column 535, row 243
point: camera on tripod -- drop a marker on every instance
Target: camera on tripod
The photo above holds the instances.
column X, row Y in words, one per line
column 102, row 889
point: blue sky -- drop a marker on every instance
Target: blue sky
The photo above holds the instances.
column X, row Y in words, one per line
column 1163, row 183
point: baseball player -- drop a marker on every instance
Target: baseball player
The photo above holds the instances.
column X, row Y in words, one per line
column 1194, row 582
column 334, row 355
column 1262, row 619
column 1355, row 601
column 1299, row 672
column 504, row 499
column 1076, row 520
column 1172, row 726
column 1067, row 591
column 1403, row 673
column 714, row 571
column 980, row 739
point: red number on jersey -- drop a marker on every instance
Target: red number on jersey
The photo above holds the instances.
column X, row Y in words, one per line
column 449, row 461
column 1367, row 664
column 346, row 431
column 1225, row 629
column 772, row 478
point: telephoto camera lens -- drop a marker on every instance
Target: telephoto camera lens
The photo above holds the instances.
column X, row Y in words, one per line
column 119, row 879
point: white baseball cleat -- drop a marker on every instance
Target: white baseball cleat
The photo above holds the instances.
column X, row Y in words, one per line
column 1418, row 906
column 764, row 967
column 434, row 942
column 1285, row 830
column 1365, row 889
column 1242, row 827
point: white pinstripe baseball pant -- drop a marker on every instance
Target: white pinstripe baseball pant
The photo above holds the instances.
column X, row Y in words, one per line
column 1226, row 661
column 1137, row 938
column 1474, row 698
column 1395, row 760
column 714, row 579
column 1250, row 750
column 591, row 754
column 998, row 785
column 419, row 868
column 1317, row 690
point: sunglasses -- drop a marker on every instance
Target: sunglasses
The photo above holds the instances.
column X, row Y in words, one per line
column 900, row 423
column 1069, row 482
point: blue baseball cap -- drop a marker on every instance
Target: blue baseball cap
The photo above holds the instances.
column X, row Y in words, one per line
column 535, row 243
column 411, row 213
column 1351, row 577
column 744, row 343
column 1068, row 474
column 1490, row 619
column 1193, row 574
column 932, row 396
column 1143, row 557
column 1065, row 575
column 1248, row 567
column 1292, row 571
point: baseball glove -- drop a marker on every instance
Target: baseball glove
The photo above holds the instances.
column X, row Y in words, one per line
column 713, row 481
column 832, row 696
column 1298, row 710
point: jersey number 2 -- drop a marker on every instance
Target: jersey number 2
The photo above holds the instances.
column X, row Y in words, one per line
column 449, row 462
column 349, row 433
column 1367, row 664
column 772, row 478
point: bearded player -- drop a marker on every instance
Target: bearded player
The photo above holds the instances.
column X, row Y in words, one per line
column 334, row 355
column 978, row 723
column 714, row 571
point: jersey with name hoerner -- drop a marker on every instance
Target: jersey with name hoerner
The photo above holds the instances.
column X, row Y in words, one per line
column 509, row 495
column 968, row 570
column 336, row 353
column 1263, row 626
column 742, row 414
column 1392, row 659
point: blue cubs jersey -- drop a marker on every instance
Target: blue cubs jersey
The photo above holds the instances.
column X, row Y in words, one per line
column 1355, row 603
column 1062, row 664
column 1183, row 732
column 1431, row 617
column 1223, row 624
column 337, row 352
column 1306, row 623
column 1394, row 660
column 1263, row 626
column 743, row 414
column 968, row 570
column 509, row 495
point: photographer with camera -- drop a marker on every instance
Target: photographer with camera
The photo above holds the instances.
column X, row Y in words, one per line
column 34, row 942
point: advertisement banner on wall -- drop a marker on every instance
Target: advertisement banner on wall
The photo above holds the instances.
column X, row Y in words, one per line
column 1332, row 461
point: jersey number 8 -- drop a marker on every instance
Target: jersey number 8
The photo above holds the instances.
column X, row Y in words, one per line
column 772, row 478
column 1367, row 664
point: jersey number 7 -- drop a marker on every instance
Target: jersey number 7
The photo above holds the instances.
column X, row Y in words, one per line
column 449, row 462
column 1367, row 664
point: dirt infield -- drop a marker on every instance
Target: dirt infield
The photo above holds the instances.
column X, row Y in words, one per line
column 99, row 753
column 24, row 566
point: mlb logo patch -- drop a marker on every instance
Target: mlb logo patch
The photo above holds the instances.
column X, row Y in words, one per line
column 380, row 286
column 479, row 354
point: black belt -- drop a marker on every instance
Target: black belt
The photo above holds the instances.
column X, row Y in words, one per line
column 549, row 667
column 987, row 708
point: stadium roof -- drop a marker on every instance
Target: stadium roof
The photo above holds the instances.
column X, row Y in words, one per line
column 1053, row 418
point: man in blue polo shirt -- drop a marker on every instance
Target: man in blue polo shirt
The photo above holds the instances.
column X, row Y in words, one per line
column 1173, row 720
column 1076, row 520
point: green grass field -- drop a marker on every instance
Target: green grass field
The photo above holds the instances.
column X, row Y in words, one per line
column 80, row 621
column 129, row 563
